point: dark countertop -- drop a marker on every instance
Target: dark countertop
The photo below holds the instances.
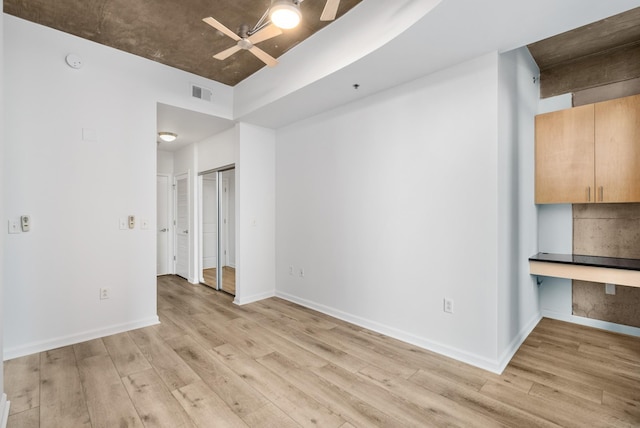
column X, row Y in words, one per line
column 576, row 259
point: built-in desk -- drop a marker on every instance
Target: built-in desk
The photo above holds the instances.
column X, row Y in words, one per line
column 587, row 268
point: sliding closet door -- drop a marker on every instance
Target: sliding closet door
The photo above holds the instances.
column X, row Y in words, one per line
column 209, row 248
column 218, row 226
column 227, row 228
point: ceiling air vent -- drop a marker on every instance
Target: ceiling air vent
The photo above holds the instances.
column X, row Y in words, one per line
column 201, row 92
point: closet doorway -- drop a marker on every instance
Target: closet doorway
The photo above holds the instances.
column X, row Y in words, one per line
column 218, row 229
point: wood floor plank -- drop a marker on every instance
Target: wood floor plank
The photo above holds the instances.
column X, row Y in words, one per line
column 195, row 328
column 623, row 406
column 62, row 401
column 352, row 409
column 414, row 358
column 27, row 419
column 269, row 416
column 90, row 348
column 212, row 363
column 206, row 408
column 239, row 396
column 480, row 403
column 449, row 412
column 172, row 369
column 126, row 356
column 541, row 360
column 408, row 413
column 294, row 402
column 153, row 401
column 248, row 344
column 543, row 405
column 285, row 346
column 335, row 339
column 22, row 383
column 308, row 340
column 107, row 400
column 560, row 383
column 167, row 328
column 592, row 411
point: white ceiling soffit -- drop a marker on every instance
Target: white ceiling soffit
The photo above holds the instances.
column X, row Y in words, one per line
column 366, row 27
column 452, row 32
column 191, row 126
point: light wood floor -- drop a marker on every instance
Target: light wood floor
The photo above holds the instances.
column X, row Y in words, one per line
column 274, row 364
column 228, row 278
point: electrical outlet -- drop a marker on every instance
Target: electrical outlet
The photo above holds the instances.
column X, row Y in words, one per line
column 104, row 293
column 291, row 270
column 301, row 272
column 448, row 306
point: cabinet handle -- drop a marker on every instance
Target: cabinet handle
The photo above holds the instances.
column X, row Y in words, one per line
column 589, row 194
column 601, row 194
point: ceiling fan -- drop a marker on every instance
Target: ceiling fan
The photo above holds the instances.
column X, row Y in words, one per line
column 330, row 10
column 247, row 38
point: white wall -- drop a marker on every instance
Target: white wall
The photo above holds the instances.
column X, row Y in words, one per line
column 390, row 204
column 76, row 189
column 255, row 208
column 164, row 162
column 230, row 176
column 4, row 407
column 217, row 151
column 518, row 305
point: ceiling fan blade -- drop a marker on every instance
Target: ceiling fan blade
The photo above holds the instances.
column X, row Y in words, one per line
column 227, row 52
column 218, row 26
column 263, row 56
column 330, row 10
column 266, row 33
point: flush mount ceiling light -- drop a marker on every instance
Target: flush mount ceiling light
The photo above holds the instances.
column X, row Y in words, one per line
column 285, row 13
column 167, row 136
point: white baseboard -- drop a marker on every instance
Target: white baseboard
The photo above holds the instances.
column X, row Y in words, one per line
column 448, row 351
column 46, row 345
column 517, row 341
column 602, row 325
column 250, row 299
column 4, row 410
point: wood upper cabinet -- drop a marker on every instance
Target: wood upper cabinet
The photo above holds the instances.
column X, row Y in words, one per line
column 589, row 153
column 617, row 151
column 565, row 150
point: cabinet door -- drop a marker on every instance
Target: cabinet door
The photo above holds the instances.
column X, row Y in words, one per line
column 565, row 156
column 618, row 150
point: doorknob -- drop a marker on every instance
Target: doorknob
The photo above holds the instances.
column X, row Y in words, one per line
column 164, row 230
column 186, row 231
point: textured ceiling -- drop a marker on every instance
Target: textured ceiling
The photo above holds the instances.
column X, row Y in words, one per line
column 172, row 31
column 606, row 34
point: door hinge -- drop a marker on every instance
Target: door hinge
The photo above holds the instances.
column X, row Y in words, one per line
column 174, row 258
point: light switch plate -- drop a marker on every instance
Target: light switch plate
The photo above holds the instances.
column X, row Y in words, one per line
column 123, row 223
column 144, row 223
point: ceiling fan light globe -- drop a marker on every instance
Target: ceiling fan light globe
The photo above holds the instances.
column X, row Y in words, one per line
column 285, row 14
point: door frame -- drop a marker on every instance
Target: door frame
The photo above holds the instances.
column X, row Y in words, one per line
column 170, row 220
column 182, row 176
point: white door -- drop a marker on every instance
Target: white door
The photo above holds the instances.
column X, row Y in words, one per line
column 182, row 226
column 163, row 219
